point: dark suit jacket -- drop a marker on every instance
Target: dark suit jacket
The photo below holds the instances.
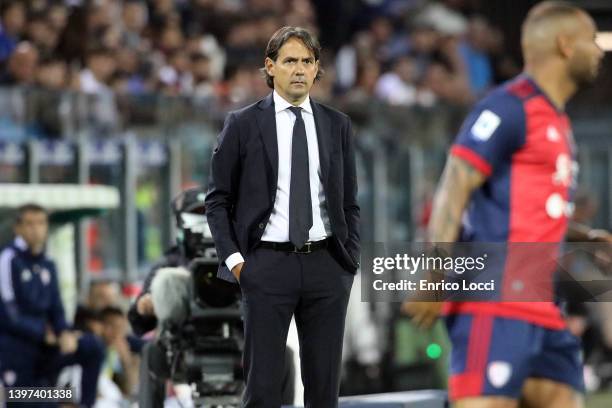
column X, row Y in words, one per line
column 244, row 175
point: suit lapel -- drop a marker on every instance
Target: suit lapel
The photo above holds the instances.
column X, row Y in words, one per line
column 266, row 120
column 323, row 125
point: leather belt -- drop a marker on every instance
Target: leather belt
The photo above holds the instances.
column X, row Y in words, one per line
column 308, row 247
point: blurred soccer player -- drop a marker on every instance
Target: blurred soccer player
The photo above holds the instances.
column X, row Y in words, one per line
column 512, row 170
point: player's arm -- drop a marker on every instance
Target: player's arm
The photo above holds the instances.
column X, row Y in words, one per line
column 459, row 180
column 491, row 133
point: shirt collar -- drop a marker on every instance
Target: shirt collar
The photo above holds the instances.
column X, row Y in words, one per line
column 20, row 243
column 539, row 90
column 280, row 104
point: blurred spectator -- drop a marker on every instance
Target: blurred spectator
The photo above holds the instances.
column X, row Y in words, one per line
column 100, row 66
column 367, row 77
column 456, row 87
column 424, row 43
column 134, row 19
column 133, row 71
column 381, row 30
column 102, row 294
column 94, row 80
column 237, row 89
column 89, row 321
column 72, row 44
column 173, row 48
column 47, row 105
column 505, row 66
column 41, row 34
column 22, row 65
column 353, row 55
column 58, row 16
column 121, row 364
column 12, row 25
column 241, row 44
column 446, row 85
column 176, row 78
column 170, row 39
column 474, row 50
column 443, row 18
column 52, row 74
column 203, row 86
column 399, row 86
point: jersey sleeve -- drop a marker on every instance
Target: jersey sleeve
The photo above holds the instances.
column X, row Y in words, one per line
column 491, row 133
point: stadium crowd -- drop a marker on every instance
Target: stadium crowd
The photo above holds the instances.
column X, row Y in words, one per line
column 400, row 52
column 405, row 53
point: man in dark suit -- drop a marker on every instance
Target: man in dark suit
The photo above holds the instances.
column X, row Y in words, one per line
column 282, row 209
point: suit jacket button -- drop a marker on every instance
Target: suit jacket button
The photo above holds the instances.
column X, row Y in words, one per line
column 261, row 225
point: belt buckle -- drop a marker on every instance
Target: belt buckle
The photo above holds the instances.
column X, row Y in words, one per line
column 300, row 250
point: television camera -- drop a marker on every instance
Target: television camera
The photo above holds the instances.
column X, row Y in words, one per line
column 199, row 315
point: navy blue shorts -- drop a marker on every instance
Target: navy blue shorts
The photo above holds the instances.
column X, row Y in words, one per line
column 493, row 356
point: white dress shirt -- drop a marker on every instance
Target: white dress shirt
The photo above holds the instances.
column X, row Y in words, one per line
column 277, row 229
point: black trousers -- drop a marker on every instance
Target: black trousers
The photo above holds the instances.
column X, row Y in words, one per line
column 277, row 285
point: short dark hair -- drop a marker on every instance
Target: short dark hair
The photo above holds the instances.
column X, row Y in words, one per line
column 51, row 60
column 111, row 311
column 28, row 208
column 98, row 51
column 280, row 37
column 6, row 6
column 101, row 282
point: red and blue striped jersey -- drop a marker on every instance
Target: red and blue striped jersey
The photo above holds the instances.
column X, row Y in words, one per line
column 524, row 145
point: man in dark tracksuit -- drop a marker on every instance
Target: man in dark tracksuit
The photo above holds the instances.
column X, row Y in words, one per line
column 35, row 342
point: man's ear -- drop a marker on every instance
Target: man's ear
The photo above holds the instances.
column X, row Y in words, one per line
column 565, row 45
column 269, row 64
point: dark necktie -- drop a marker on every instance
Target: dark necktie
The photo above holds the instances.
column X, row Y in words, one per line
column 300, row 205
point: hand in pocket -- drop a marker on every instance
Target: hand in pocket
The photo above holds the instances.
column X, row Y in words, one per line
column 237, row 270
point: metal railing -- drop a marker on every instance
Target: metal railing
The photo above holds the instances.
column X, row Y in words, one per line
column 151, row 147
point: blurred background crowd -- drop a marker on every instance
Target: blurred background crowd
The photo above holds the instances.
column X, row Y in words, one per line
column 137, row 81
column 405, row 53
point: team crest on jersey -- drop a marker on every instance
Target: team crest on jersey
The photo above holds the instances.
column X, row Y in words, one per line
column 485, row 125
column 498, row 373
column 26, row 275
column 45, row 276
